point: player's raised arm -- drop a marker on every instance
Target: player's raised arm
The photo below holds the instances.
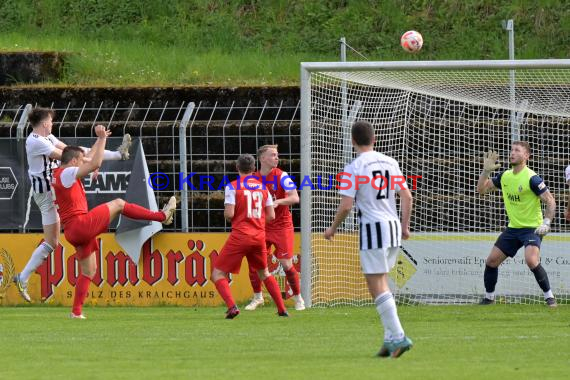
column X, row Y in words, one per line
column 98, row 149
column 56, row 154
column 484, row 184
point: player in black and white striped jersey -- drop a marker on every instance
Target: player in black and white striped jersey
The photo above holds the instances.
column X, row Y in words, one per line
column 43, row 151
column 373, row 180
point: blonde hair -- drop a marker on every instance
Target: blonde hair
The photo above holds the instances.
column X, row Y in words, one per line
column 265, row 148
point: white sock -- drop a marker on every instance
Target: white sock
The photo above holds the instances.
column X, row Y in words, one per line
column 548, row 294
column 490, row 296
column 111, row 155
column 38, row 257
column 258, row 296
column 108, row 155
column 386, row 307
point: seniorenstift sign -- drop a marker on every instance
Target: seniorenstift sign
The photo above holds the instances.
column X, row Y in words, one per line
column 8, row 183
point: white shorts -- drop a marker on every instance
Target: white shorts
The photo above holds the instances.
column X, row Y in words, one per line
column 47, row 208
column 379, row 260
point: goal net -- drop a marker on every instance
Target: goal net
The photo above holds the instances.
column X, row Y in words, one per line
column 436, row 119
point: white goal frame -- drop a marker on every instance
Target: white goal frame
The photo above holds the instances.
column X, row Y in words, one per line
column 309, row 68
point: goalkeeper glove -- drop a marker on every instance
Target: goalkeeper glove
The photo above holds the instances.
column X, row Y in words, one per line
column 489, row 161
column 544, row 228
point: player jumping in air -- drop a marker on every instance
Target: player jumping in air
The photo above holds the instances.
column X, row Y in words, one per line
column 43, row 151
column 523, row 191
column 82, row 226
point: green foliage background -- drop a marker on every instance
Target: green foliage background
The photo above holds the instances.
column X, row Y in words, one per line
column 279, row 33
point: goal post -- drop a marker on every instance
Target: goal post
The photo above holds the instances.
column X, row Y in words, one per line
column 436, row 118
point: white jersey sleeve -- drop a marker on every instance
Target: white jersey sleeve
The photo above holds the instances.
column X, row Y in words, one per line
column 230, row 196
column 68, row 176
column 286, row 182
column 269, row 201
column 346, row 189
column 38, row 146
column 567, row 175
column 399, row 180
column 54, row 140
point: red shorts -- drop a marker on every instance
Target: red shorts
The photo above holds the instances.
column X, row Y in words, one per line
column 82, row 230
column 282, row 240
column 238, row 247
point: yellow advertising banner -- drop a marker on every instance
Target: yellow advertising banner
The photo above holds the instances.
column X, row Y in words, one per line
column 174, row 269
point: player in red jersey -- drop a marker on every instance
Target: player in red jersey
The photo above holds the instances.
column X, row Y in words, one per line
column 248, row 206
column 279, row 232
column 81, row 226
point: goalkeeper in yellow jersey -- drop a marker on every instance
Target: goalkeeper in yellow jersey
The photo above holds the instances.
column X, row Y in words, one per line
column 523, row 190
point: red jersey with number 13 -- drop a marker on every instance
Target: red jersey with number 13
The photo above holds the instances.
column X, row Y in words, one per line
column 250, row 203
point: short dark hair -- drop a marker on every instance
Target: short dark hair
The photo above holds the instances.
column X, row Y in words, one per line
column 524, row 144
column 39, row 114
column 245, row 164
column 70, row 152
column 363, row 133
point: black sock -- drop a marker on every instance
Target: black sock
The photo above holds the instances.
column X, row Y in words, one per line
column 541, row 278
column 490, row 278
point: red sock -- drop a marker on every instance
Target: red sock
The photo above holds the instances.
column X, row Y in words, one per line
column 293, row 280
column 224, row 289
column 273, row 288
column 81, row 290
column 255, row 280
column 135, row 211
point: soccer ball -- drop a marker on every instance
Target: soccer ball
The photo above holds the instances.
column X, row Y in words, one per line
column 411, row 41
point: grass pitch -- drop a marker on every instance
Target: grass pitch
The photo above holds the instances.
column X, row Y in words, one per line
column 468, row 342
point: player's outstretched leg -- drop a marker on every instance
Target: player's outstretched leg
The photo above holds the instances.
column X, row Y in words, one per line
column 125, row 146
column 257, row 299
column 169, row 209
column 134, row 211
column 165, row 216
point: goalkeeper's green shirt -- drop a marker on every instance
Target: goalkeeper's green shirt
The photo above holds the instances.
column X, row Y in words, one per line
column 521, row 194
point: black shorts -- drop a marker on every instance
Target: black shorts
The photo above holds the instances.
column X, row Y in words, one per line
column 512, row 239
